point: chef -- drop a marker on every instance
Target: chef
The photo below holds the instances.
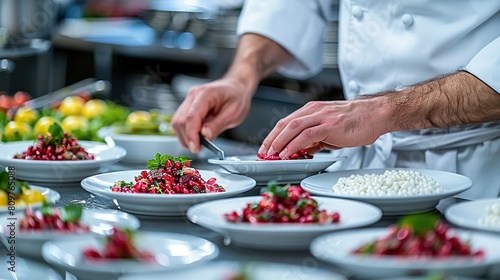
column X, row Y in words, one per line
column 421, row 80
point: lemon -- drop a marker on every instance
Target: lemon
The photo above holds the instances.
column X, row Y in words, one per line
column 94, row 108
column 20, row 203
column 14, row 128
column 71, row 105
column 26, row 114
column 72, row 123
column 30, row 196
column 140, row 120
column 4, row 199
column 43, row 124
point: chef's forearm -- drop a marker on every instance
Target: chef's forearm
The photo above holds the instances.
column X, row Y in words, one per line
column 256, row 57
column 452, row 100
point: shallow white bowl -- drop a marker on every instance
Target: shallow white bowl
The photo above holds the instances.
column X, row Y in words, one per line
column 452, row 184
column 51, row 197
column 281, row 171
column 221, row 270
column 271, row 236
column 101, row 221
column 59, row 171
column 163, row 204
column 337, row 247
column 171, row 250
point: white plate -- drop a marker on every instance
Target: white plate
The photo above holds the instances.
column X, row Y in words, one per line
column 101, row 221
column 452, row 184
column 336, row 248
column 171, row 250
column 27, row 269
column 221, row 270
column 279, row 236
column 282, row 171
column 163, row 204
column 51, row 197
column 467, row 214
column 59, row 171
column 141, row 148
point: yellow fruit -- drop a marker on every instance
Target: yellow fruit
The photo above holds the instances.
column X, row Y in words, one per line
column 94, row 108
column 72, row 123
column 43, row 124
column 15, row 127
column 139, row 120
column 20, row 203
column 27, row 115
column 71, row 105
column 4, row 199
column 30, row 196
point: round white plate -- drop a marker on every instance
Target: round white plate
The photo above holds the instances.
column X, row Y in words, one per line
column 27, row 269
column 141, row 148
column 51, row 197
column 101, row 221
column 467, row 214
column 163, row 204
column 279, row 236
column 171, row 250
column 221, row 270
column 452, row 184
column 282, row 171
column 59, row 171
column 336, row 248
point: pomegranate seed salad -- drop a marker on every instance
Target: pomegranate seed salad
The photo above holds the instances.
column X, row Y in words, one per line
column 302, row 154
column 56, row 145
column 119, row 245
column 423, row 235
column 283, row 204
column 168, row 175
column 65, row 219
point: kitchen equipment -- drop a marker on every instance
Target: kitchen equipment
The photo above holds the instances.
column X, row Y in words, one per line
column 24, row 20
column 212, row 147
column 89, row 85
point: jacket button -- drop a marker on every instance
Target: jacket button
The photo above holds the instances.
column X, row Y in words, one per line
column 407, row 20
column 357, row 12
column 353, row 87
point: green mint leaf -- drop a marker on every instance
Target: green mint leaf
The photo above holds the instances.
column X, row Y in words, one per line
column 71, row 213
column 4, row 181
column 420, row 223
column 57, row 133
column 47, row 209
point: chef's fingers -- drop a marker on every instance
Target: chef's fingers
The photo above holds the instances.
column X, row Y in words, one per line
column 311, row 134
column 306, row 110
column 291, row 130
column 316, row 147
column 188, row 119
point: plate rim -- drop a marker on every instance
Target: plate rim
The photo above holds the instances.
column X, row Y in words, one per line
column 343, row 258
column 458, row 221
column 160, row 198
column 277, row 228
column 49, row 258
column 120, row 153
column 56, row 197
column 374, row 199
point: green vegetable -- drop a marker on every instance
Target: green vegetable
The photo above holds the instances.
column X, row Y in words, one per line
column 419, row 223
column 160, row 161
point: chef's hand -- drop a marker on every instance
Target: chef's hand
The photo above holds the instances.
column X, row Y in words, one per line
column 326, row 125
column 210, row 108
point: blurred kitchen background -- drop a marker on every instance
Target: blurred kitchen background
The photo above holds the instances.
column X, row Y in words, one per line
column 150, row 51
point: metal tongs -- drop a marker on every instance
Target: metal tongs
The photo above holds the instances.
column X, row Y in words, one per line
column 212, row 147
column 89, row 85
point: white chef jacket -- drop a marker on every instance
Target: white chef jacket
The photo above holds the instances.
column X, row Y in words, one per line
column 386, row 45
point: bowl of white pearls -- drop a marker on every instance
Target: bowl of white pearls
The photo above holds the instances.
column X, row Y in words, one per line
column 396, row 191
